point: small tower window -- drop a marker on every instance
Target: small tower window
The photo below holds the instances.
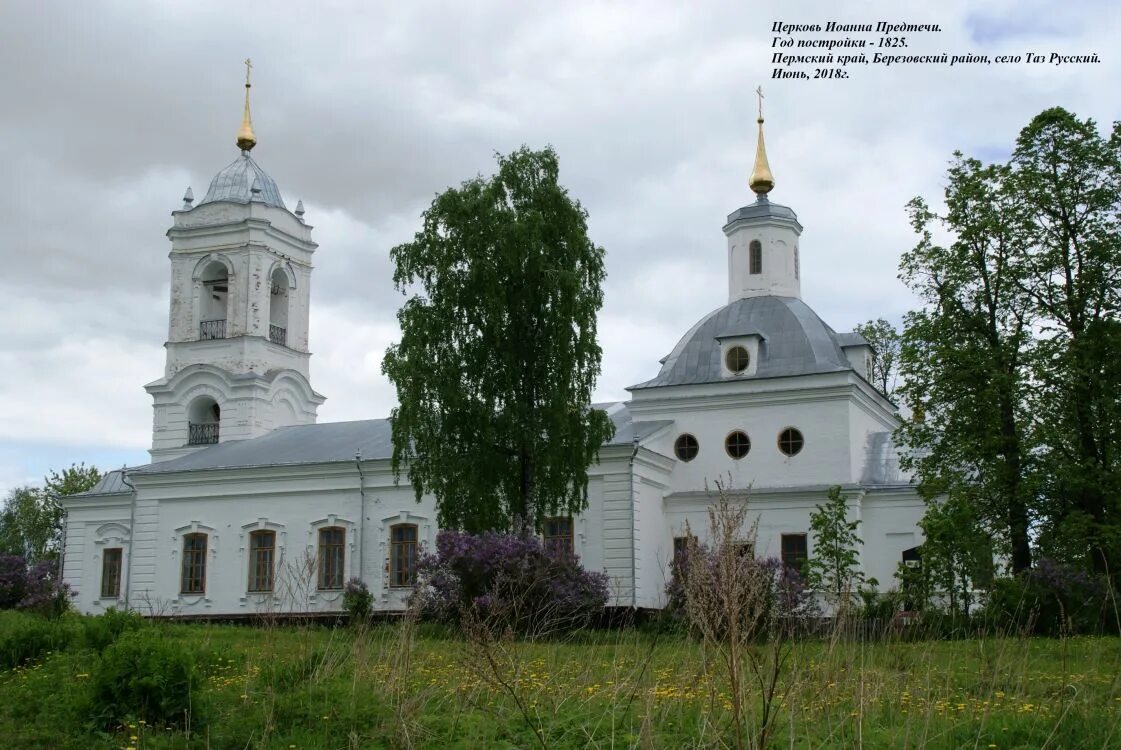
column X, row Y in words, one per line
column 790, row 441
column 686, row 447
column 737, row 359
column 737, row 444
column 756, row 255
column 797, row 269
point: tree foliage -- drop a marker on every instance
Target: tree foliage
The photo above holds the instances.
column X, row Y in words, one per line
column 31, row 519
column 964, row 355
column 957, row 554
column 834, row 565
column 1014, row 359
column 885, row 354
column 498, row 353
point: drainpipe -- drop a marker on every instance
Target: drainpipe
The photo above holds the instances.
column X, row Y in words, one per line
column 634, row 530
column 131, row 537
column 361, row 510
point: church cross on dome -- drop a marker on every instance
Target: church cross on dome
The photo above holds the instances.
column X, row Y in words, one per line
column 762, row 181
column 246, row 140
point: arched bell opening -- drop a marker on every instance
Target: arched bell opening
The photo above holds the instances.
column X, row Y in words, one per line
column 278, row 308
column 203, row 418
column 214, row 301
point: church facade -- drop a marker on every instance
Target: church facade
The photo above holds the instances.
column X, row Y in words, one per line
column 249, row 506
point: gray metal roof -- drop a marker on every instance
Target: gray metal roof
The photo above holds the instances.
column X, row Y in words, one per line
column 794, row 341
column 242, row 181
column 852, row 339
column 763, row 209
column 111, row 483
column 334, row 442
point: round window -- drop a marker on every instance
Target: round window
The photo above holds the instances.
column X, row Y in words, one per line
column 737, row 359
column 790, row 441
column 737, row 444
column 686, row 447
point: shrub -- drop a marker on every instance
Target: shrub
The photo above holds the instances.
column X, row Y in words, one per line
column 104, row 630
column 357, row 600
column 13, row 580
column 510, row 581
column 786, row 600
column 47, row 594
column 144, row 676
column 1051, row 599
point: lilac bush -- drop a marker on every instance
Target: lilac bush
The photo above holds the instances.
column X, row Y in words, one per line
column 788, row 599
column 36, row 589
column 47, row 594
column 509, row 580
column 1053, row 599
column 13, row 580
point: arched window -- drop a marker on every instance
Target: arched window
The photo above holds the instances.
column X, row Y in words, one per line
column 332, row 556
column 193, row 579
column 262, row 558
column 278, row 308
column 213, row 302
column 203, row 418
column 756, row 256
column 402, row 555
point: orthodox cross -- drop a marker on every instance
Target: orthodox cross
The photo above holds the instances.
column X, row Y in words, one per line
column 758, row 91
column 248, row 67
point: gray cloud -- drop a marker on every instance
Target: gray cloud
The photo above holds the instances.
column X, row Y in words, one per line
column 367, row 111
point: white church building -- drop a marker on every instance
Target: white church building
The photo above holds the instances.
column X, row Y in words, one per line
column 250, row 506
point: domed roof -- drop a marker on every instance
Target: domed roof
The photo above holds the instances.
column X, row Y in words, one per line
column 242, row 181
column 794, row 341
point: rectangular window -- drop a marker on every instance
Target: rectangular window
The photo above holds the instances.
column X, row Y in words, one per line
column 558, row 535
column 194, row 564
column 794, row 552
column 744, row 550
column 111, row 573
column 262, row 553
column 402, row 555
column 332, row 555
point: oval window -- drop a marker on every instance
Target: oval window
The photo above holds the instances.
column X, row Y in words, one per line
column 737, row 359
column 686, row 447
column 790, row 441
column 738, row 444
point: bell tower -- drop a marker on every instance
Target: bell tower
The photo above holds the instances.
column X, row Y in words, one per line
column 763, row 254
column 237, row 345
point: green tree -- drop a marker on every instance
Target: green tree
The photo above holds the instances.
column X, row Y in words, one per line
column 31, row 519
column 1068, row 177
column 957, row 555
column 834, row 565
column 885, row 354
column 498, row 353
column 965, row 355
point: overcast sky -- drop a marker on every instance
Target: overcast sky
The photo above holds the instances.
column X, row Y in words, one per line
column 367, row 110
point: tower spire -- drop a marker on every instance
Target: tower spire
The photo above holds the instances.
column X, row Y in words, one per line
column 761, row 181
column 245, row 138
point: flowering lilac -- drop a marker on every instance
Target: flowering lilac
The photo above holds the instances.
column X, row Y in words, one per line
column 509, row 579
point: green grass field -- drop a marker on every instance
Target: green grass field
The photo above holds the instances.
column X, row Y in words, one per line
column 313, row 687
